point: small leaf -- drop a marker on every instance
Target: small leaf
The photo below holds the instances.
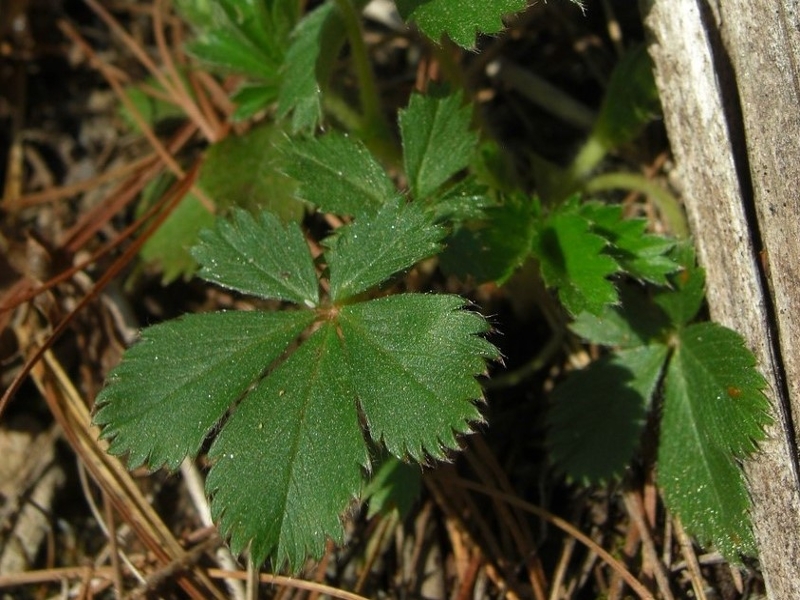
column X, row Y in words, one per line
column 683, row 301
column 412, row 359
column 245, row 171
column 636, row 322
column 598, row 414
column 372, row 249
column 250, row 98
column 300, row 89
column 262, row 258
column 573, row 261
column 714, row 414
column 289, row 459
column 638, row 253
column 173, row 386
column 437, row 141
column 338, row 174
column 394, row 486
column 460, row 20
column 493, row 248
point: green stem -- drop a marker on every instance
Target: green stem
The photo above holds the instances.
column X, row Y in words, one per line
column 666, row 203
column 368, row 89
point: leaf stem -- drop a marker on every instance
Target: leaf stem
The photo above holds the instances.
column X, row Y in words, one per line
column 368, row 90
column 667, row 204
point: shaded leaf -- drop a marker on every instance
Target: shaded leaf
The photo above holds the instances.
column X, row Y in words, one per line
column 598, row 414
column 246, row 171
column 338, row 174
column 459, row 20
column 372, row 249
column 395, row 485
column 683, row 301
column 714, row 413
column 437, row 141
column 263, row 258
column 174, row 385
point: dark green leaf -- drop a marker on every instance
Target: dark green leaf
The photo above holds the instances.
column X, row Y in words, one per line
column 251, row 98
column 437, row 141
column 246, row 171
column 372, row 249
column 636, row 322
column 173, row 386
column 598, row 414
column 289, row 459
column 460, row 20
column 263, row 258
column 339, row 175
column 714, row 413
column 394, row 486
column 492, row 249
column 573, row 260
column 683, row 301
column 412, row 360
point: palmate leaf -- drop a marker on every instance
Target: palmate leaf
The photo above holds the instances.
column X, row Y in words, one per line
column 287, row 391
column 437, row 141
column 714, row 413
column 338, row 175
column 573, row 260
column 459, row 20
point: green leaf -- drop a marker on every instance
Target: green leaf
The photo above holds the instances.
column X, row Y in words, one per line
column 683, row 301
column 573, row 260
column 412, row 359
column 437, row 141
column 250, row 98
column 466, row 200
column 338, row 174
column 394, row 486
column 714, row 414
column 459, row 20
column 637, row 321
column 169, row 245
column 300, row 89
column 630, row 102
column 493, row 248
column 263, row 258
column 289, row 460
column 241, row 36
column 174, row 386
column 372, row 249
column 246, row 171
column 598, row 414
column 638, row 253
column 153, row 110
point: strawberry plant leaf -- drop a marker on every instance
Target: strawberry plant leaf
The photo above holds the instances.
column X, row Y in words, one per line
column 338, row 174
column 426, row 349
column 259, row 257
column 300, row 92
column 573, row 260
column 174, row 386
column 638, row 253
column 250, row 98
column 437, row 141
column 635, row 322
column 598, row 414
column 246, row 171
column 683, row 301
column 289, row 459
column 459, row 20
column 372, row 249
column 714, row 414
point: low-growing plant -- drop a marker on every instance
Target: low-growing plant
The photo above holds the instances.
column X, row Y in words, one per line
column 299, row 400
